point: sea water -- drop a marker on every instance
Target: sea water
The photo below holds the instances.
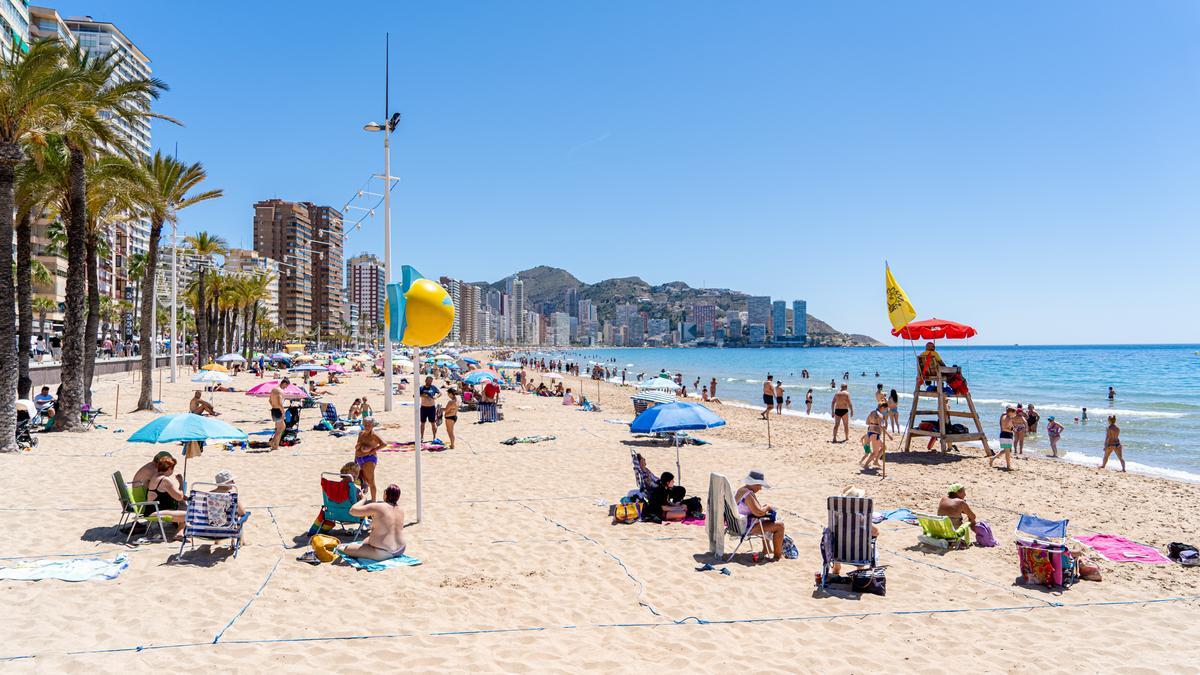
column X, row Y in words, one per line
column 1157, row 401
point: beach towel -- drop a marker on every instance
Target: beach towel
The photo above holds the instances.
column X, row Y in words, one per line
column 527, row 439
column 377, row 565
column 902, row 514
column 686, row 521
column 76, row 569
column 614, row 421
column 1119, row 549
column 407, row 446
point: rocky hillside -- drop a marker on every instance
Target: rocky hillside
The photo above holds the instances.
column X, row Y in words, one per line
column 544, row 284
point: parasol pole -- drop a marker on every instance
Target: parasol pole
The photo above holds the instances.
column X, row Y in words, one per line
column 678, row 468
column 416, row 385
column 768, row 419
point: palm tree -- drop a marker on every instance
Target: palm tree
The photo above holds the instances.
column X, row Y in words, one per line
column 103, row 100
column 35, row 89
column 43, row 306
column 166, row 190
column 135, row 271
column 29, row 195
column 206, row 246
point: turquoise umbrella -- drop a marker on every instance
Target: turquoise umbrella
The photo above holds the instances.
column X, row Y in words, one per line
column 185, row 428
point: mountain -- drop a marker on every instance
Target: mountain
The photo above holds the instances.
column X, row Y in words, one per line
column 548, row 285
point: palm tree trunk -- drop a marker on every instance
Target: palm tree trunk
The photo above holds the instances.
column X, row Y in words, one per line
column 24, row 303
column 10, row 154
column 92, row 324
column 71, row 400
column 201, row 320
column 42, row 325
column 146, row 399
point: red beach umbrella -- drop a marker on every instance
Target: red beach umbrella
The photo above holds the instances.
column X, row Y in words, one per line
column 935, row 329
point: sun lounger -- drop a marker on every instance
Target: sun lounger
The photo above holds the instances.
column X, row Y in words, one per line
column 1042, row 552
column 213, row 516
column 939, row 532
column 135, row 510
column 847, row 538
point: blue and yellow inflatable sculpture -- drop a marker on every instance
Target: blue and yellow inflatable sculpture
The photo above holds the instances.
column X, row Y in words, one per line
column 419, row 311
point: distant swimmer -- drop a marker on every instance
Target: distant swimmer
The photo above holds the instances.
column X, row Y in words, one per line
column 842, row 408
column 1083, row 415
column 832, row 384
column 1112, row 393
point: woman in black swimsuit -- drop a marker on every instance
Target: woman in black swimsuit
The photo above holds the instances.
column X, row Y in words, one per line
column 165, row 487
column 450, row 414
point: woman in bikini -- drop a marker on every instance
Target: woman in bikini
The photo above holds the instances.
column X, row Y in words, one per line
column 1019, row 427
column 1112, row 443
column 875, row 435
column 166, row 488
column 355, row 414
column 450, row 414
column 365, row 453
column 808, row 403
column 893, row 412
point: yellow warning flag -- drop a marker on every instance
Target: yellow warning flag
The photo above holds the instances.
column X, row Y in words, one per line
column 900, row 310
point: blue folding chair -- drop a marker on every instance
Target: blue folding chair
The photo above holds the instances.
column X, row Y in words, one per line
column 1042, row 551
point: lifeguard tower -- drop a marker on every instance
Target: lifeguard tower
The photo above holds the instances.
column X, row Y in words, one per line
column 936, row 377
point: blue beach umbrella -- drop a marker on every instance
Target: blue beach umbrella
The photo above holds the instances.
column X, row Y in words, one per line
column 671, row 417
column 481, row 376
column 471, row 361
column 185, row 428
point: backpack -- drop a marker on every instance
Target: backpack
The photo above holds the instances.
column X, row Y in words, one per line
column 629, row 512
column 983, row 535
column 869, row 581
column 1184, row 554
column 789, row 548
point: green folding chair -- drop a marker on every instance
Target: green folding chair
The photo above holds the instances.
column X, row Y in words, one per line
column 939, row 532
column 135, row 510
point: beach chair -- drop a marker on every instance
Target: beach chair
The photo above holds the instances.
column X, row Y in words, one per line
column 644, row 485
column 847, row 538
column 135, row 510
column 487, row 412
column 729, row 521
column 212, row 516
column 1042, row 552
column 939, row 532
column 88, row 414
column 338, row 494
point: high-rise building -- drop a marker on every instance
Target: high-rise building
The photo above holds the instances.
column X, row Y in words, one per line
column 366, row 285
column 14, row 22
column 571, row 297
column 704, row 315
column 99, row 38
column 519, row 311
column 560, row 329
column 282, row 230
column 327, row 267
column 800, row 320
column 779, row 318
column 757, row 333
column 758, row 310
column 735, row 329
column 247, row 262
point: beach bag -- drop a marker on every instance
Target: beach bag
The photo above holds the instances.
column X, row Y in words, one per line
column 629, row 512
column 789, row 548
column 956, row 429
column 983, row 535
column 869, row 581
column 1184, row 554
column 928, row 425
column 674, row 512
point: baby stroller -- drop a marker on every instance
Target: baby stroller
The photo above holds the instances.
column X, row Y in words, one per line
column 25, row 439
column 291, row 426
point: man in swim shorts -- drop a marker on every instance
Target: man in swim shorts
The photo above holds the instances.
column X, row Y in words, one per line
column 276, row 401
column 768, row 394
column 842, row 408
column 1006, row 438
column 429, row 394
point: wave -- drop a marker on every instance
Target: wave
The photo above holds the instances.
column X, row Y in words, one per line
column 1093, row 412
column 1133, row 467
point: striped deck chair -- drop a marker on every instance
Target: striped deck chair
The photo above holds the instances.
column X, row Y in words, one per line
column 645, row 481
column 329, row 413
column 847, row 538
column 212, row 516
column 487, row 412
column 729, row 522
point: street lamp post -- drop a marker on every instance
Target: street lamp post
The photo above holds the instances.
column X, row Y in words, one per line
column 174, row 298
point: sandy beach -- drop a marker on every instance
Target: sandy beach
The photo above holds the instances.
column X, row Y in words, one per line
column 524, row 571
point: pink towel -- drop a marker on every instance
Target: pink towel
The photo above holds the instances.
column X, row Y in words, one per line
column 1119, row 549
column 686, row 521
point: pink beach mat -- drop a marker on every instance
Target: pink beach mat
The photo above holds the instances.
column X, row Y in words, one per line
column 1119, row 549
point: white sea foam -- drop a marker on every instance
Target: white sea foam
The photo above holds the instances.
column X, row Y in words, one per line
column 1085, row 459
column 1093, row 412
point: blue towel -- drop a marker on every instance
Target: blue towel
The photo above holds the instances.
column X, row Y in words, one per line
column 77, row 569
column 376, row 565
column 898, row 514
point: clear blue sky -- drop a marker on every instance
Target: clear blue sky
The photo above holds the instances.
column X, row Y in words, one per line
column 1031, row 168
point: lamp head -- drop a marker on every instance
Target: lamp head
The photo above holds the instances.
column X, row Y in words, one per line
column 372, row 126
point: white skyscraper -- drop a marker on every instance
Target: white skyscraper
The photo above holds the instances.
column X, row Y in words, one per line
column 518, row 294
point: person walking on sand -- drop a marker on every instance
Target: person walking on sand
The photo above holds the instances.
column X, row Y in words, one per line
column 1054, row 431
column 385, row 540
column 450, row 413
column 808, row 403
column 365, row 453
column 893, row 416
column 429, row 394
column 768, row 396
column 1112, row 443
column 1006, row 438
column 276, row 401
column 843, row 409
column 779, row 398
column 876, row 433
